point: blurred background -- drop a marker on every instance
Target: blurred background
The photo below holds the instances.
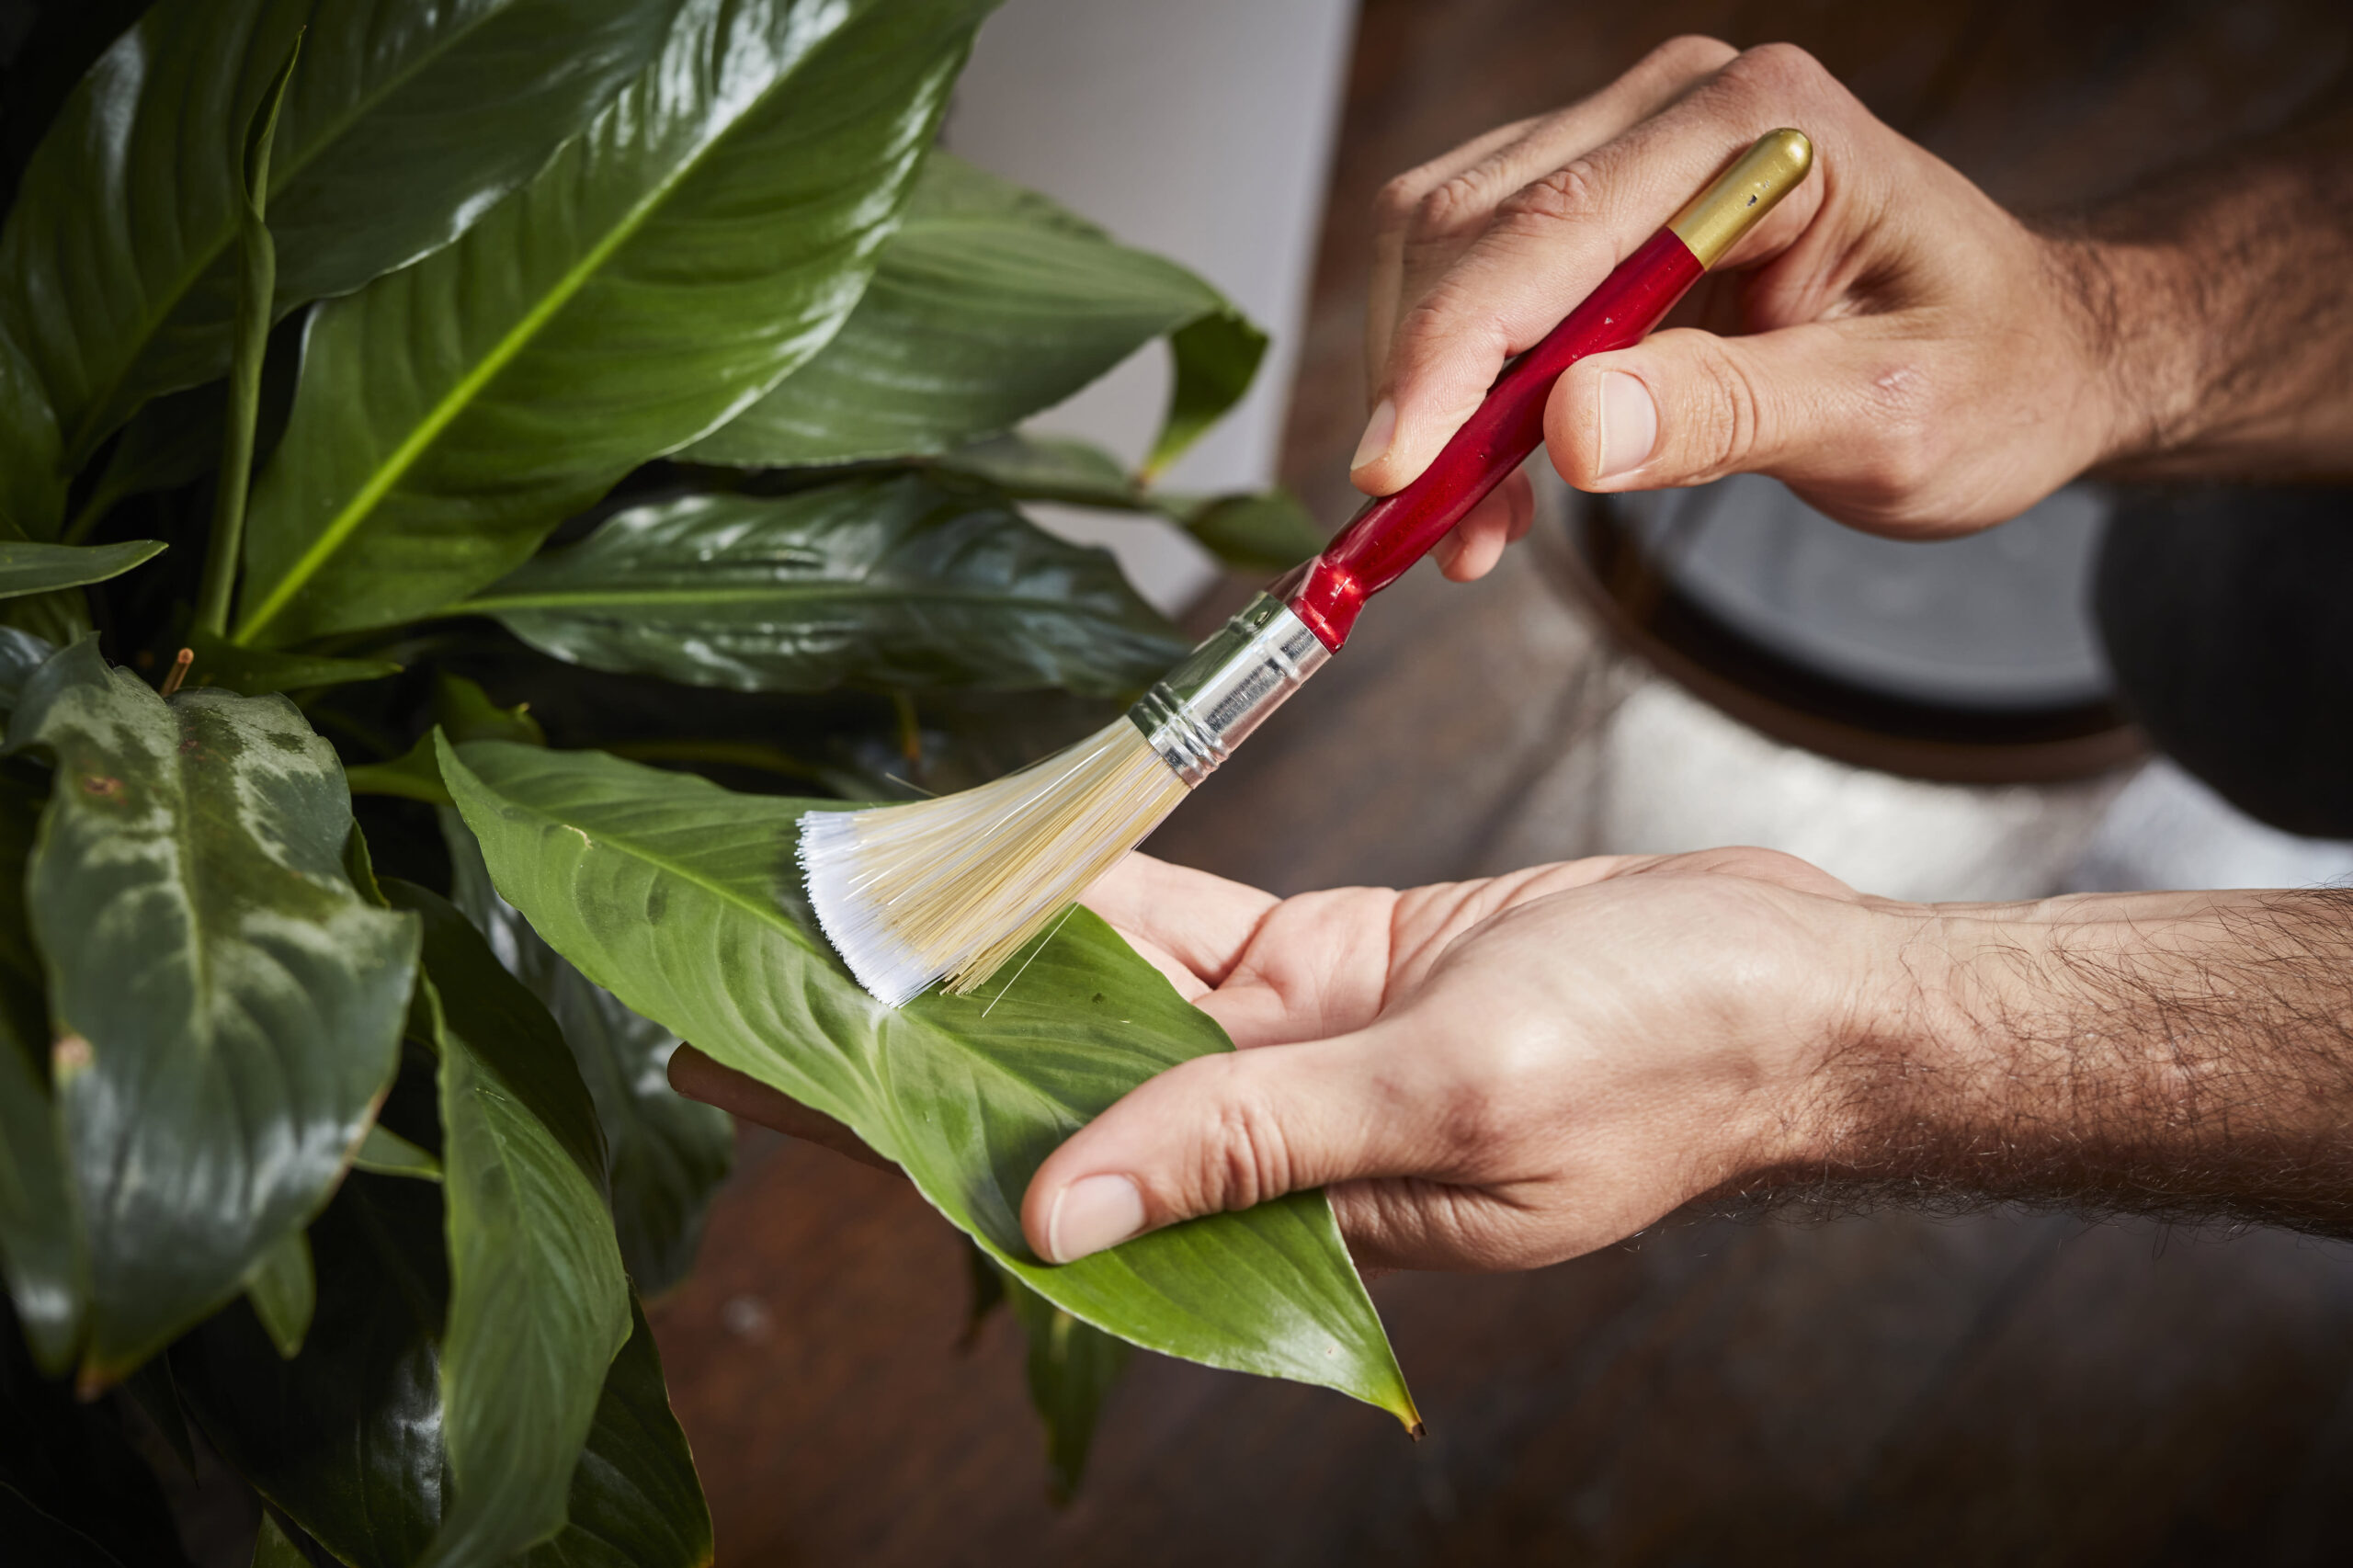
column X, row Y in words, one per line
column 1659, row 674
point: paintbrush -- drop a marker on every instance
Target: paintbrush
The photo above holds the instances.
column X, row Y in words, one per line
column 951, row 887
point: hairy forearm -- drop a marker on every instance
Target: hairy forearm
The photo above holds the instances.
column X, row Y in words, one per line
column 2216, row 303
column 2180, row 1053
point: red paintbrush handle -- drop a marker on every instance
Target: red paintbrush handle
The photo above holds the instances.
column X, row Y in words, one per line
column 1393, row 532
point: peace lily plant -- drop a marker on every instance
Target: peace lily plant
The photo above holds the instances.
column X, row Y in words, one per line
column 472, row 476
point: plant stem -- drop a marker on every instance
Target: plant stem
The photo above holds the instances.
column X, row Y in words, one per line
column 256, row 289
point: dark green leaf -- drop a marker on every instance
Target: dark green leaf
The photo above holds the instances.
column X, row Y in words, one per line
column 257, row 672
column 466, row 712
column 1214, row 360
column 226, row 1007
column 347, row 1437
column 904, row 580
column 668, row 1153
column 990, row 304
column 284, row 1292
column 168, row 443
column 37, row 568
column 272, row 1550
column 408, row 121
column 1262, row 531
column 56, row 617
column 158, row 1395
column 635, row 1500
column 670, row 265
column 41, row 1250
column 32, row 492
column 74, row 1494
column 385, row 1153
column 538, row 1303
column 1072, row 1367
column 685, row 902
column 1269, row 531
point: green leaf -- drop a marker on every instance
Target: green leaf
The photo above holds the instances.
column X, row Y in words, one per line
column 272, row 1550
column 226, row 1008
column 386, row 1152
column 41, row 1249
column 466, row 712
column 249, row 341
column 538, row 1303
column 56, row 617
column 1072, row 1366
column 684, row 901
column 170, row 442
column 408, row 121
column 990, row 304
column 37, row 568
column 635, row 1500
column 904, row 580
column 257, row 672
column 1267, row 531
column 1215, row 358
column 284, row 1292
column 32, row 493
column 1250, row 531
column 347, row 1438
column 668, row 1153
column 704, row 238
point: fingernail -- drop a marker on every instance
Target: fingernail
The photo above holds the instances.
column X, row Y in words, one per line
column 1629, row 423
column 1377, row 433
column 1092, row 1213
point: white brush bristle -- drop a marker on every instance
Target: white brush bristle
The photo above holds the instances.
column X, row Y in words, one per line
column 954, row 887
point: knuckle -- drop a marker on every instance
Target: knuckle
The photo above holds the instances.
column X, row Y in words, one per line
column 1908, row 445
column 1570, row 194
column 1777, row 69
column 1247, row 1159
column 1732, row 422
column 1689, row 54
column 1393, row 207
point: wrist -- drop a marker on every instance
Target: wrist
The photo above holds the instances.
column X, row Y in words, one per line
column 2136, row 372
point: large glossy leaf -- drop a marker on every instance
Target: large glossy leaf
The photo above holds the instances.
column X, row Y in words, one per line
column 704, row 238
column 668, row 1152
column 225, row 1008
column 539, row 1304
column 990, row 304
column 347, row 1436
column 41, row 1251
column 684, row 901
column 33, row 494
column 901, row 581
column 31, row 568
column 403, row 124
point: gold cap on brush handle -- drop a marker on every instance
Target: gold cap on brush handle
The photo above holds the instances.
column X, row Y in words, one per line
column 1713, row 222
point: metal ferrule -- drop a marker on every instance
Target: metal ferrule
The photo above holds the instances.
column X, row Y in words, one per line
column 1208, row 705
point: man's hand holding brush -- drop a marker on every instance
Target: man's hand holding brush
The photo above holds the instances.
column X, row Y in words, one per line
column 1503, row 1073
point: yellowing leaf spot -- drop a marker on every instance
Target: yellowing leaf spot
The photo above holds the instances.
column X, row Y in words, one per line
column 100, row 785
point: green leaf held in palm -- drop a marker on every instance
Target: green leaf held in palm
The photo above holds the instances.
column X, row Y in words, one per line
column 900, row 581
column 225, row 1008
column 684, row 901
column 991, row 303
column 703, row 238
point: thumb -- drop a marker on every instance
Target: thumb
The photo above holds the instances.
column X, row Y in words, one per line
column 1218, row 1132
column 1822, row 405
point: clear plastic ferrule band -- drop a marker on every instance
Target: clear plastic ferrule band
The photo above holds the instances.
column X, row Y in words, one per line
column 1208, row 705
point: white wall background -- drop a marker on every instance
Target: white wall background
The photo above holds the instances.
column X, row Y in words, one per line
column 1199, row 129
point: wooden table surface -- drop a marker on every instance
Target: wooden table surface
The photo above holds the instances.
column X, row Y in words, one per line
column 1894, row 1387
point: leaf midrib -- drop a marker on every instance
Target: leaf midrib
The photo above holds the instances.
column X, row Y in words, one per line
column 576, row 278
